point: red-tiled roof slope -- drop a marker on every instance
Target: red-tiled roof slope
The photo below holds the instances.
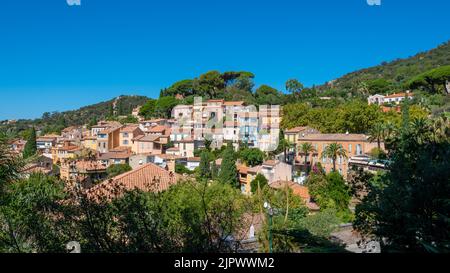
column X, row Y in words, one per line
column 148, row 178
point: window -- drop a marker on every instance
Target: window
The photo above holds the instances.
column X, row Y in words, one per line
column 349, row 148
column 125, row 135
column 125, row 142
column 358, row 149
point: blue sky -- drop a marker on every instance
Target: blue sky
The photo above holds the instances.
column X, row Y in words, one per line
column 56, row 57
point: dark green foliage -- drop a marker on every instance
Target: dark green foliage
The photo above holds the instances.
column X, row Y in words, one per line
column 55, row 122
column 30, row 147
column 397, row 73
column 189, row 217
column 266, row 95
column 330, row 192
column 148, row 109
column 164, row 106
column 28, row 216
column 259, row 181
column 129, row 119
column 205, row 165
column 228, row 170
column 408, row 207
column 117, row 169
column 10, row 164
column 433, row 80
column 181, row 169
column 252, row 156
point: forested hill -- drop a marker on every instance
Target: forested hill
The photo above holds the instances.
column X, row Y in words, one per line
column 56, row 121
column 391, row 76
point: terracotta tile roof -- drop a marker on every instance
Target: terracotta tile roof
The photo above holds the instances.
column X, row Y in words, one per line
column 45, row 139
column 35, row 168
column 89, row 166
column 242, row 169
column 170, row 157
column 71, row 128
column 108, row 130
column 69, row 148
column 158, row 129
column 215, row 101
column 233, row 103
column 173, row 149
column 89, row 138
column 255, row 169
column 194, row 159
column 108, row 156
column 271, row 163
column 295, row 130
column 334, row 137
column 297, row 189
column 186, row 140
column 129, row 128
column 148, row 178
column 399, row 95
column 147, row 138
column 121, row 149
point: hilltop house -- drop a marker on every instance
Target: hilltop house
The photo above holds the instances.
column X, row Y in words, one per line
column 392, row 99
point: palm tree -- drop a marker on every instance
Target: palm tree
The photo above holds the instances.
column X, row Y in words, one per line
column 389, row 130
column 441, row 128
column 306, row 149
column 333, row 151
column 284, row 146
column 420, row 128
column 377, row 134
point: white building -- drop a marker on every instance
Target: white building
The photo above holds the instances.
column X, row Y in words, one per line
column 393, row 99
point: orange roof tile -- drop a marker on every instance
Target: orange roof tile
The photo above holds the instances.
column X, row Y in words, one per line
column 399, row 95
column 233, row 103
column 148, row 178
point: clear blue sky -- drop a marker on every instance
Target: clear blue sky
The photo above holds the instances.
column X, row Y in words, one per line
column 56, row 57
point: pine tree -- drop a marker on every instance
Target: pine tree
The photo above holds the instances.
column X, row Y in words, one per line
column 228, row 170
column 30, row 148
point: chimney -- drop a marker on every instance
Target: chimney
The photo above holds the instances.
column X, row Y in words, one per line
column 171, row 165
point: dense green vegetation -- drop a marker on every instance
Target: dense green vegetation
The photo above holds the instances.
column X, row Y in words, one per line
column 30, row 148
column 407, row 208
column 333, row 117
column 117, row 169
column 54, row 122
column 390, row 76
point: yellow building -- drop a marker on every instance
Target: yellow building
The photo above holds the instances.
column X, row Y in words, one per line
column 90, row 143
column 353, row 144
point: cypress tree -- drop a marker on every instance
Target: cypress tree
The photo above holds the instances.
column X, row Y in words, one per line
column 228, row 170
column 214, row 170
column 30, row 148
column 205, row 171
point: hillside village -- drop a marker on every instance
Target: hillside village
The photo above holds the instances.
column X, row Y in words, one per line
column 239, row 145
column 157, row 149
column 83, row 155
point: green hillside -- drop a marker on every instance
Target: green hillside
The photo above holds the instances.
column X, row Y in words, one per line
column 56, row 121
column 391, row 76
